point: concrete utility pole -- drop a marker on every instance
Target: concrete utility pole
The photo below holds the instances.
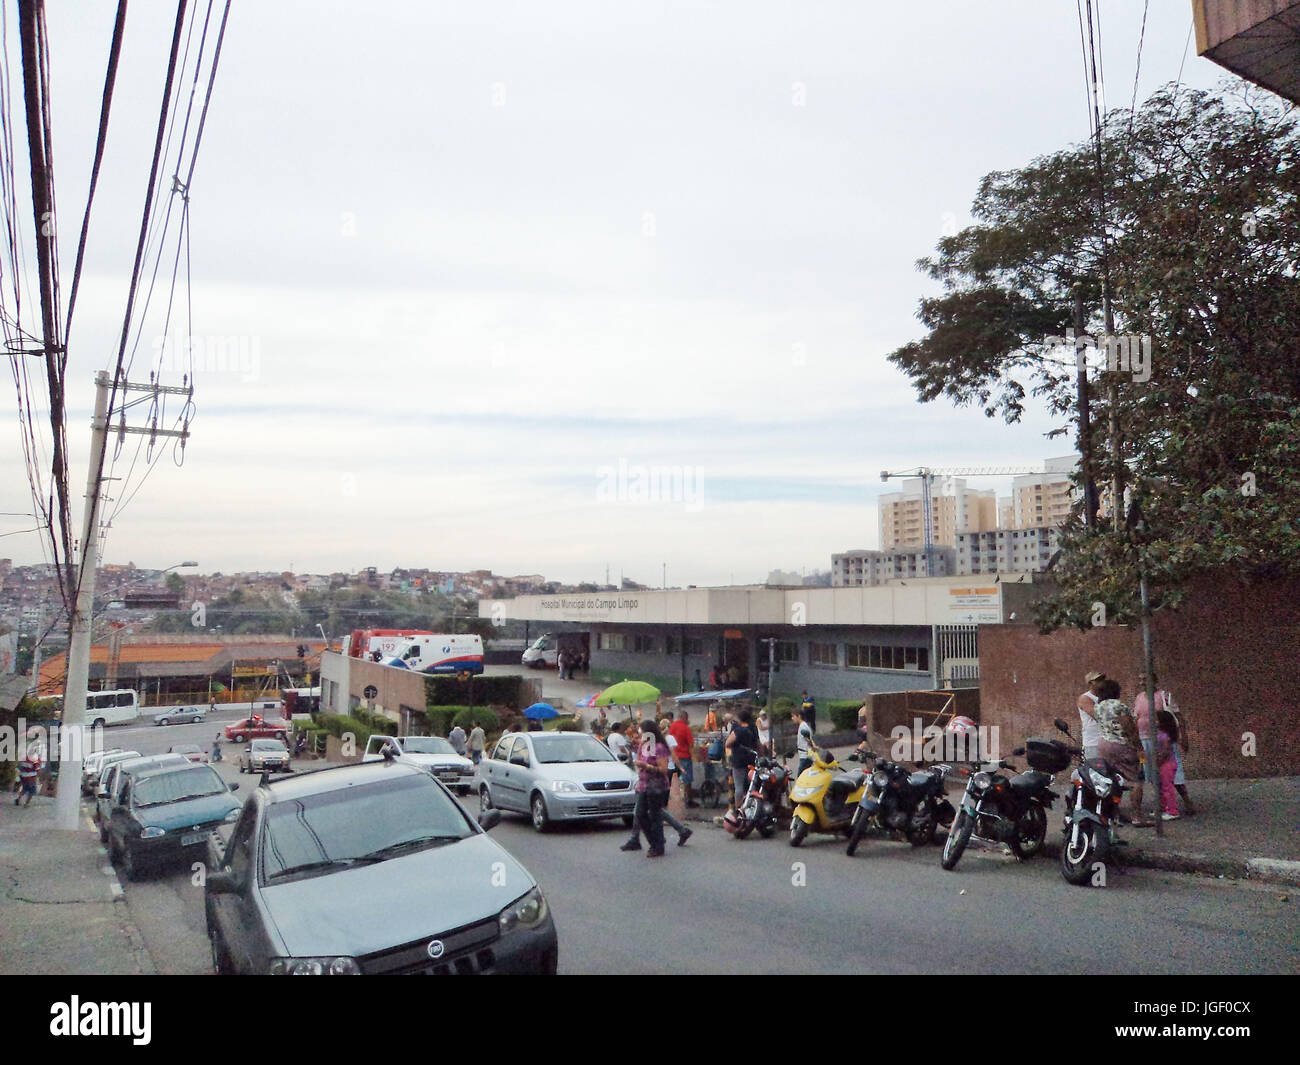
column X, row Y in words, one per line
column 67, row 806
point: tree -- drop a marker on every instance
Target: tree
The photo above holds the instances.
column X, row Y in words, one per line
column 1200, row 196
column 175, row 584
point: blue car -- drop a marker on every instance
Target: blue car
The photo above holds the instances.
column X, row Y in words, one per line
column 166, row 815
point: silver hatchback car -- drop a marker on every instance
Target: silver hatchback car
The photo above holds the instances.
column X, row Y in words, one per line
column 557, row 776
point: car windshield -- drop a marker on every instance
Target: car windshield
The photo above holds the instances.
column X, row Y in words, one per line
column 267, row 745
column 570, row 747
column 359, row 825
column 427, row 745
column 177, row 787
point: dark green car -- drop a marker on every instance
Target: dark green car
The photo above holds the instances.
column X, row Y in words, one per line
column 166, row 815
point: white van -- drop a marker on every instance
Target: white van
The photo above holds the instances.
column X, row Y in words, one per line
column 116, row 707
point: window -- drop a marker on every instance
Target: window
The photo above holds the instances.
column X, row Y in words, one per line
column 856, row 655
column 503, row 745
column 695, row 646
column 643, row 644
column 787, row 652
column 672, row 645
column 612, row 641
column 823, row 654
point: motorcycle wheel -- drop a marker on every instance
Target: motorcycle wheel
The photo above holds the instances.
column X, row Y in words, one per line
column 1076, row 862
column 1031, row 830
column 921, row 831
column 768, row 830
column 798, row 831
column 958, row 837
column 856, row 831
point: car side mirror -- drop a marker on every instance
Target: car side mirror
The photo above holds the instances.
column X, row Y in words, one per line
column 489, row 819
column 234, row 786
column 221, row 883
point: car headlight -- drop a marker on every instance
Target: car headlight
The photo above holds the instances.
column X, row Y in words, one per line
column 564, row 785
column 527, row 912
column 341, row 966
column 1100, row 783
column 153, row 833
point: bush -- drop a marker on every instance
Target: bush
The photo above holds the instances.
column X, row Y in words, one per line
column 441, row 717
column 782, row 707
column 844, row 713
column 470, row 716
column 448, row 691
column 563, row 724
column 339, row 725
column 376, row 722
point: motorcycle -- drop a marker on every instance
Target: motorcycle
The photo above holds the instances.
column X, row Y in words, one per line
column 901, row 801
column 825, row 796
column 1010, row 810
column 763, row 802
column 1091, row 813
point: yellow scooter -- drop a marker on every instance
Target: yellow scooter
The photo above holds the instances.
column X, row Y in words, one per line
column 825, row 796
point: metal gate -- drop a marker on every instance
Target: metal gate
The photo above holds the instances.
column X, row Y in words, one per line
column 957, row 655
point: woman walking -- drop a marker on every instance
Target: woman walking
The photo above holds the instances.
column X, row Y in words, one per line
column 652, row 788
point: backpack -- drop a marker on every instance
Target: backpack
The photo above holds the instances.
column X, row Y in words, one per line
column 716, row 750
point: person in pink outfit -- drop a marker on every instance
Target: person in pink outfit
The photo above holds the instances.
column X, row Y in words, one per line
column 1166, row 738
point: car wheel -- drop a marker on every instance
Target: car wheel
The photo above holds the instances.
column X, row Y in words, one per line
column 484, row 799
column 165, row 721
column 99, row 723
column 541, row 821
column 239, row 737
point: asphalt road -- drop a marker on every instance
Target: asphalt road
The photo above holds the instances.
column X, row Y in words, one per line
column 719, row 905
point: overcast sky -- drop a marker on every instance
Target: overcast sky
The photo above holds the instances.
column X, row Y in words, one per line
column 473, row 259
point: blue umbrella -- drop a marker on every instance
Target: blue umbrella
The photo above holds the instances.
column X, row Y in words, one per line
column 541, row 712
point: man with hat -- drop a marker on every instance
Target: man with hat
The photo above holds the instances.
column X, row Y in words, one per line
column 1089, row 729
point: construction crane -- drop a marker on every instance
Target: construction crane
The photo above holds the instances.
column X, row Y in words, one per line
column 929, row 473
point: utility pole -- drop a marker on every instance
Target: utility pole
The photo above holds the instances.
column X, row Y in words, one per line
column 67, row 806
column 1085, row 418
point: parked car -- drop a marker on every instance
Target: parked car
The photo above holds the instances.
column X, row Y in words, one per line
column 104, row 763
column 433, row 753
column 167, row 814
column 118, row 774
column 262, row 756
column 557, row 776
column 180, row 715
column 192, row 751
column 370, row 868
column 90, row 766
column 257, row 728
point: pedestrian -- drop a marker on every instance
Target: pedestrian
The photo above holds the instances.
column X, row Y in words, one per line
column 600, row 727
column 477, row 742
column 1146, row 736
column 809, row 708
column 617, row 743
column 699, row 684
column 764, row 733
column 713, row 678
column 216, row 748
column 743, row 745
column 652, row 792
column 1180, row 749
column 681, row 731
column 29, row 771
column 711, row 719
column 456, row 737
column 1166, row 745
column 1119, row 744
column 1086, row 704
column 803, row 744
column 561, row 660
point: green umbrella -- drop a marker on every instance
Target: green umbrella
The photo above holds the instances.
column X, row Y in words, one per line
column 627, row 693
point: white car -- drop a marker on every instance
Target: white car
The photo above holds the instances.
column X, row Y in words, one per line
column 431, row 752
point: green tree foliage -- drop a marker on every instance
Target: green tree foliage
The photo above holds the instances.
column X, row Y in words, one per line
column 1201, row 197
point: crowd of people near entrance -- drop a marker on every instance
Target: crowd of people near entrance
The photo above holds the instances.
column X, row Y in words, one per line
column 1124, row 737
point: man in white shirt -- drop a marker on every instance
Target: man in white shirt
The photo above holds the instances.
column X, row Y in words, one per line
column 1089, row 730
column 617, row 742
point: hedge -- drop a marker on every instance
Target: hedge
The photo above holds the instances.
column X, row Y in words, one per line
column 339, row 725
column 477, row 715
column 441, row 717
column 562, row 724
column 449, row 691
column 844, row 713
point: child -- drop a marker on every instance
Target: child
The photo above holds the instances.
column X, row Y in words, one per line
column 1166, row 737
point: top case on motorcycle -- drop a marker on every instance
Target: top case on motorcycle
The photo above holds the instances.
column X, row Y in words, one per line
column 1030, row 781
column 920, row 780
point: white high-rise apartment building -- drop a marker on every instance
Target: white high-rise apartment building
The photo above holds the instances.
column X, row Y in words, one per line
column 954, row 508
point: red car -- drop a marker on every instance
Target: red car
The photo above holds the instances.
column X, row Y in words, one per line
column 255, row 728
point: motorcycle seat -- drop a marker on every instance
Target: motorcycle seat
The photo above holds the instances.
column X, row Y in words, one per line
column 849, row 781
column 1030, row 781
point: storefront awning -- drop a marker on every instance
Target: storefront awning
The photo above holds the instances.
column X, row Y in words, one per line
column 708, row 697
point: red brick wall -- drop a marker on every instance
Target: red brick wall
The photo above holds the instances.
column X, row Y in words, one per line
column 1229, row 655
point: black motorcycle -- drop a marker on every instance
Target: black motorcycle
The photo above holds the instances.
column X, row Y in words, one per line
column 902, row 801
column 1008, row 809
column 1091, row 813
column 765, row 802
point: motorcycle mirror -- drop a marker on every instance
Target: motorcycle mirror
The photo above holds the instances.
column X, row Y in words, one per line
column 1062, row 726
column 1018, row 751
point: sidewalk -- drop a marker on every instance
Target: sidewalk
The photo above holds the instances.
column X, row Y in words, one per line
column 1243, row 829
column 61, row 907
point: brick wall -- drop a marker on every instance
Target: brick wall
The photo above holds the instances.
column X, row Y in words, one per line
column 1229, row 656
